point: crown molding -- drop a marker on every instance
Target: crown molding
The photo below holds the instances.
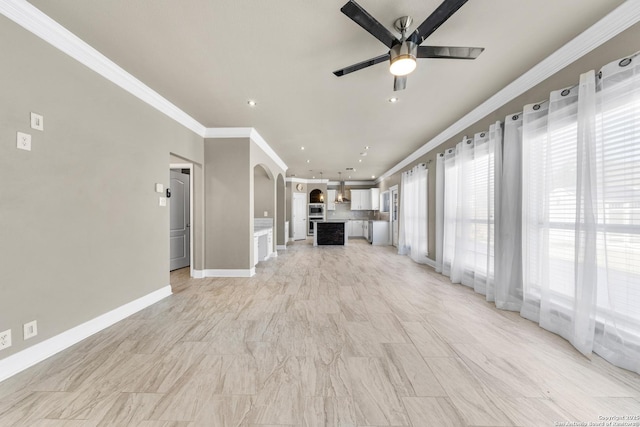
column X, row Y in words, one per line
column 250, row 133
column 618, row 20
column 326, row 181
column 306, row 181
column 259, row 140
column 33, row 20
column 228, row 132
column 369, row 183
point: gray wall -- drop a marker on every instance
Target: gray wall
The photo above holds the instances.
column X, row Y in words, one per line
column 624, row 44
column 259, row 157
column 229, row 200
column 228, row 204
column 263, row 188
column 80, row 225
column 281, row 208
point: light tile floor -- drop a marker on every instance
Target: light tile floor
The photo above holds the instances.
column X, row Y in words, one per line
column 331, row 336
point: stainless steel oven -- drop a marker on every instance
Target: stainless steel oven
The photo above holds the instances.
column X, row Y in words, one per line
column 316, row 213
column 316, row 210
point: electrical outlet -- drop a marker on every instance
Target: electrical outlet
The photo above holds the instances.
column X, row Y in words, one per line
column 5, row 339
column 30, row 329
column 23, row 141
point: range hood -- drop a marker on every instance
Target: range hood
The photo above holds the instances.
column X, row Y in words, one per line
column 341, row 193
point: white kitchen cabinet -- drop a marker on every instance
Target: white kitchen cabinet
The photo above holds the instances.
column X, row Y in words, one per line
column 331, row 200
column 360, row 200
column 378, row 233
column 375, row 199
column 365, row 200
column 256, row 250
column 262, row 244
column 355, row 228
column 355, row 200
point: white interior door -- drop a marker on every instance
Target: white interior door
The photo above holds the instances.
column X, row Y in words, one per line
column 393, row 195
column 299, row 216
column 179, row 236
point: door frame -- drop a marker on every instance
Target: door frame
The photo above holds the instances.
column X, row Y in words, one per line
column 393, row 189
column 191, row 225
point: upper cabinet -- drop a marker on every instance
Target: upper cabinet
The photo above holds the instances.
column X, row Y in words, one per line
column 365, row 200
column 375, row 199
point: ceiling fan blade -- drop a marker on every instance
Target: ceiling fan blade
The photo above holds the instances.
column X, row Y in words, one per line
column 399, row 83
column 361, row 17
column 437, row 18
column 361, row 65
column 452, row 52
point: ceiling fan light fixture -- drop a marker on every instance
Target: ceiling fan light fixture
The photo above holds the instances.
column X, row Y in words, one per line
column 403, row 58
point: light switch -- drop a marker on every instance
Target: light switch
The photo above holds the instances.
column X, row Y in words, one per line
column 159, row 188
column 162, row 201
column 23, row 141
column 37, row 121
column 266, row 213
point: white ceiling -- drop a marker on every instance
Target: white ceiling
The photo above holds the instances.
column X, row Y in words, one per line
column 209, row 57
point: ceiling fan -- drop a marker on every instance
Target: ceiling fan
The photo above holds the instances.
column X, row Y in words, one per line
column 404, row 51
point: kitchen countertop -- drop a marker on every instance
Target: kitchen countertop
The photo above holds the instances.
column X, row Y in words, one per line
column 260, row 230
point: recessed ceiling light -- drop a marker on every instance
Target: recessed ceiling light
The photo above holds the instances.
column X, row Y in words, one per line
column 393, row 100
column 359, row 160
column 308, row 161
column 302, row 148
column 251, row 103
column 366, row 148
column 373, row 176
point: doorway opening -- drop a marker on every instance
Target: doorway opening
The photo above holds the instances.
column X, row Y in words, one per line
column 181, row 217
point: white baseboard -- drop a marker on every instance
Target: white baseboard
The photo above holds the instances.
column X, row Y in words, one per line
column 281, row 247
column 431, row 263
column 229, row 272
column 197, row 274
column 274, row 254
column 37, row 353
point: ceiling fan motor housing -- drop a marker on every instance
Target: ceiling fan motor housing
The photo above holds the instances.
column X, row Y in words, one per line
column 403, row 58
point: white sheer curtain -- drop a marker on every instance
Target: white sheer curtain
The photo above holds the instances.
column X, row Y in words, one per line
column 508, row 218
column 439, row 210
column 564, row 179
column 413, row 211
column 617, row 154
column 472, row 263
column 555, row 295
column 449, row 208
column 581, row 214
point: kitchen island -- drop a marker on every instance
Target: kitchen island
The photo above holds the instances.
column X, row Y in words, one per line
column 330, row 232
